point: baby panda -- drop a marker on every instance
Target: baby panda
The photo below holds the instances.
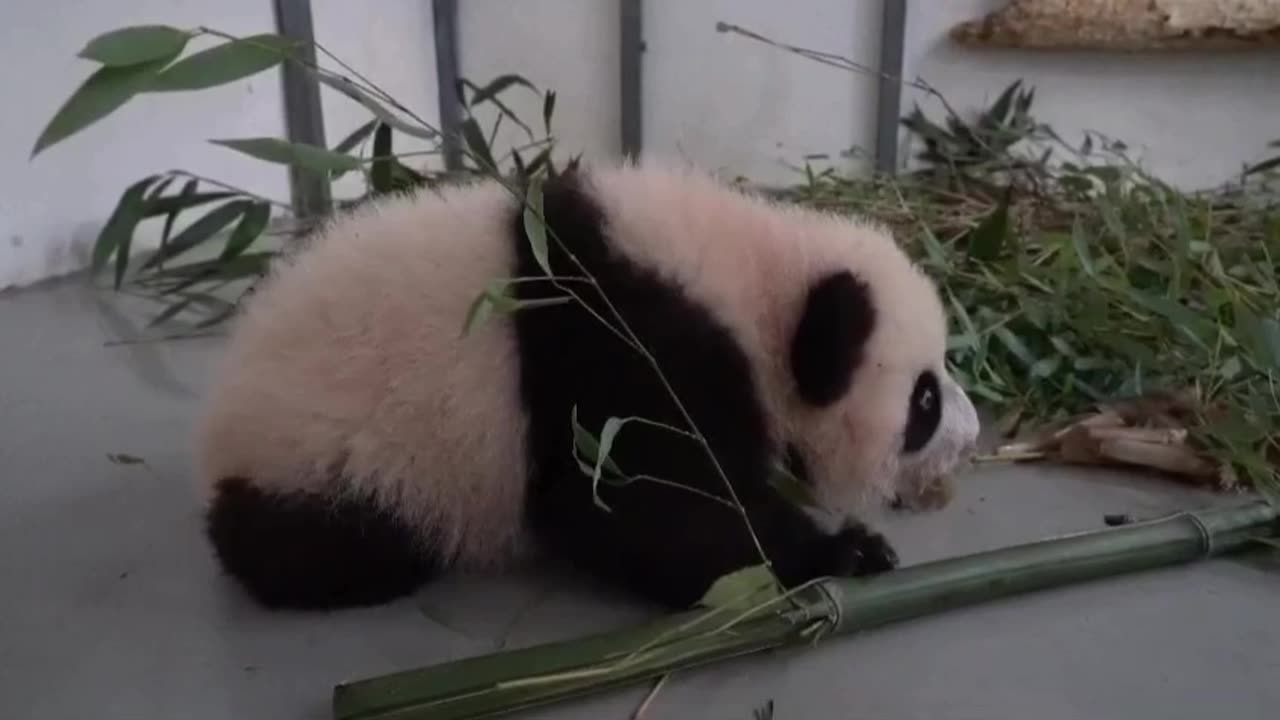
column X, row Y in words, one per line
column 357, row 442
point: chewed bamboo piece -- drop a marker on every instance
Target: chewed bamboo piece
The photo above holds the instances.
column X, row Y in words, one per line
column 512, row 680
column 1149, row 432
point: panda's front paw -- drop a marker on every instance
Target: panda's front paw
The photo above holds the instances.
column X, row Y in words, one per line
column 857, row 550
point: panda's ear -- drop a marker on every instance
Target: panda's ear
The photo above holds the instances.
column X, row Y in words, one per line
column 835, row 322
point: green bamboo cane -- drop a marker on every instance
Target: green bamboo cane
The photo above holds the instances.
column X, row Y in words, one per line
column 508, row 681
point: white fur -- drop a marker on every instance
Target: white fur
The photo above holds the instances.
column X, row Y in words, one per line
column 350, row 357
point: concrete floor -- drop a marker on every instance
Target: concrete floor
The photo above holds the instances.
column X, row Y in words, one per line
column 111, row 607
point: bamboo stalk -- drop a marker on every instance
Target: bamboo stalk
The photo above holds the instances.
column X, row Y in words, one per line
column 505, row 682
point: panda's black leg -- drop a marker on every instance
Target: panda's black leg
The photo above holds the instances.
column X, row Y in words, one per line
column 307, row 551
column 859, row 550
column 670, row 546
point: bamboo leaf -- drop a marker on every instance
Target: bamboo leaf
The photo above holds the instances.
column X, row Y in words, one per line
column 351, row 90
column 1044, row 367
column 1264, row 166
column 188, row 191
column 380, row 173
column 1181, row 317
column 549, row 106
column 995, row 116
column 542, row 159
column 117, row 234
column 1182, row 250
column 494, row 299
column 105, row 91
column 478, row 314
column 988, row 239
column 224, row 63
column 170, row 312
column 356, row 137
column 1268, row 341
column 137, row 44
column 186, row 199
column 1015, row 346
column 607, row 435
column 478, row 146
column 244, row 265
column 199, row 231
column 932, row 247
column 251, row 225
column 1080, row 243
column 300, row 155
column 791, row 487
column 404, row 177
column 488, row 94
column 497, row 86
column 218, row 305
column 535, row 226
column 589, row 446
column 350, row 142
column 742, row 590
column 159, row 189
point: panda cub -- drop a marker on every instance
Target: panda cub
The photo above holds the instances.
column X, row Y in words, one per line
column 357, row 442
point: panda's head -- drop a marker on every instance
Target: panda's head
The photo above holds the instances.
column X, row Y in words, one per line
column 876, row 414
column 846, row 335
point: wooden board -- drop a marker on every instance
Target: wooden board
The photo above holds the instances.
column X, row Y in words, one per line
column 1126, row 25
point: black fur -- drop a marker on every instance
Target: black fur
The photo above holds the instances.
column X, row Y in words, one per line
column 826, row 348
column 665, row 543
column 304, row 551
column 924, row 413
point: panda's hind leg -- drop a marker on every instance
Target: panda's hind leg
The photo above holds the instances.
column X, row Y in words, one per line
column 308, row 551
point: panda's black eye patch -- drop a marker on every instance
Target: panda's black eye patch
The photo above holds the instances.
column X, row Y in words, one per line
column 924, row 412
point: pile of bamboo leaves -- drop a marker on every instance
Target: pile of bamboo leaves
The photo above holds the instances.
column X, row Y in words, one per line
column 1079, row 283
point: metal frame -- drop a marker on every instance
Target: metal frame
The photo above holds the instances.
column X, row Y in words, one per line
column 630, row 65
column 445, row 22
column 893, row 30
column 304, row 119
column 303, row 115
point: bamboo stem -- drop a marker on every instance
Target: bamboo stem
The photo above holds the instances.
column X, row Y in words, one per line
column 508, row 681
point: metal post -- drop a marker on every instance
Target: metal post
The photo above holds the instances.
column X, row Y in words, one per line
column 631, row 60
column 304, row 118
column 889, row 93
column 445, row 19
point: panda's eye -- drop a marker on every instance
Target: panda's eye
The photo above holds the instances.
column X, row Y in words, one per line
column 924, row 412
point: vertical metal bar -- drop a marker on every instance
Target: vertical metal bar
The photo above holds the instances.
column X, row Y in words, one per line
column 631, row 60
column 893, row 31
column 445, row 19
column 303, row 116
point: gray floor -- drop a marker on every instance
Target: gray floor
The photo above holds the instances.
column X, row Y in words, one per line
column 110, row 606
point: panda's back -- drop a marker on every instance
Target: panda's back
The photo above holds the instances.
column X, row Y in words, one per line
column 349, row 366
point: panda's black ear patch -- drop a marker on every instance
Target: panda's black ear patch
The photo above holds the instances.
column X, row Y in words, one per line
column 827, row 346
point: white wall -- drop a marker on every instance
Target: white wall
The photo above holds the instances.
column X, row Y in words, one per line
column 1192, row 118
column 570, row 46
column 744, row 108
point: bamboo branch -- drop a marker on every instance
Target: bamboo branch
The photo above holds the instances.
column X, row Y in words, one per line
column 505, row 682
